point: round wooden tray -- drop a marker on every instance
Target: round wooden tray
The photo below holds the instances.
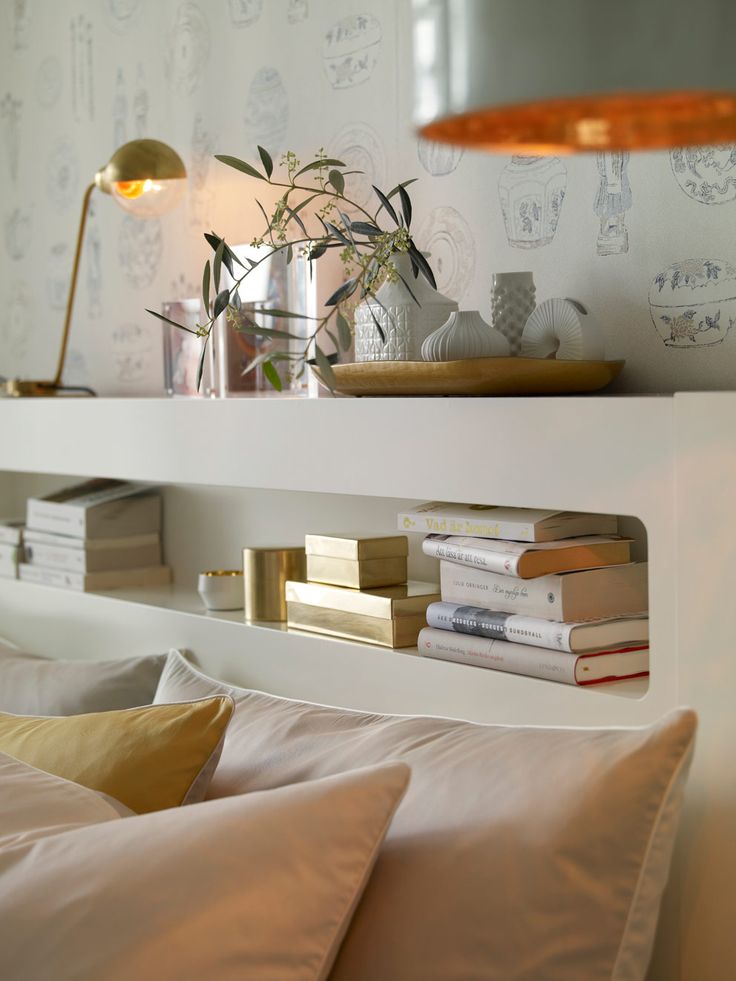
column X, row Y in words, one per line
column 475, row 376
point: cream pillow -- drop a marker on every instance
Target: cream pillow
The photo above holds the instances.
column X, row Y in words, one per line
column 147, row 758
column 519, row 852
column 31, row 685
column 259, row 887
column 34, row 804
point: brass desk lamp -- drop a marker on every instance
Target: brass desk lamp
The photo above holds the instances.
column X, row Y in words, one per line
column 147, row 179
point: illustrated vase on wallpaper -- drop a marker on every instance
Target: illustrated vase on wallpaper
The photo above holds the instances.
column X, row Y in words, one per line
column 693, row 303
column 532, row 190
column 405, row 325
column 513, row 298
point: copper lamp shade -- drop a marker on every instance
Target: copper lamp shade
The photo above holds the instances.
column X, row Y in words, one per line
column 560, row 76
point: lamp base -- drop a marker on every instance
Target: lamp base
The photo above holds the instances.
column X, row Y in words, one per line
column 25, row 388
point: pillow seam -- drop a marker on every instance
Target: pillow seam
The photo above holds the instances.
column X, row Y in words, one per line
column 676, row 773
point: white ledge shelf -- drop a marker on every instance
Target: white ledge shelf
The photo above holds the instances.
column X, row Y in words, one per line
column 304, row 665
column 408, row 448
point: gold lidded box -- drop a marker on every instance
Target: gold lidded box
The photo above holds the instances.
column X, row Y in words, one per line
column 358, row 562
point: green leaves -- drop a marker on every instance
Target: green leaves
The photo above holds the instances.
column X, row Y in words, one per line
column 219, row 252
column 342, row 292
column 366, row 228
column 171, row 323
column 221, row 301
column 272, row 375
column 405, row 205
column 241, row 165
column 424, row 267
column 386, row 204
column 337, row 180
column 344, row 333
column 266, row 160
column 325, row 368
column 206, row 287
column 319, row 165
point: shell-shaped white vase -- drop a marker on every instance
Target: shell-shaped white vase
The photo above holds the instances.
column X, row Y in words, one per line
column 562, row 329
column 464, row 335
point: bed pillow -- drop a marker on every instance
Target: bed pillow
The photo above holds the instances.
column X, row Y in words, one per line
column 259, row 886
column 31, row 685
column 35, row 804
column 147, row 758
column 519, row 852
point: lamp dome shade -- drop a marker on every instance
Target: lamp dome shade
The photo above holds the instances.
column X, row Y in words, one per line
column 146, row 177
column 557, row 76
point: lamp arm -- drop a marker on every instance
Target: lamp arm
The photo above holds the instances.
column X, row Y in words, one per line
column 72, row 287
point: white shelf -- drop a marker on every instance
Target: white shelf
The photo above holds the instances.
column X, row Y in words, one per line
column 520, row 451
column 298, row 664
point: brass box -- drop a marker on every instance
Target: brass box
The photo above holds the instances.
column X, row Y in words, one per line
column 357, row 562
column 390, row 617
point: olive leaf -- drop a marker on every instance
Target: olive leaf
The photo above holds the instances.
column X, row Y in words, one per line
column 240, row 165
column 405, row 205
column 272, row 375
column 266, row 160
column 325, row 368
column 206, row 287
column 217, row 264
column 171, row 323
column 221, row 301
column 318, row 165
column 343, row 332
column 385, row 203
column 337, row 180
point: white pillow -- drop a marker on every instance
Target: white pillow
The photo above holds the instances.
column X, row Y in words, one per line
column 31, row 685
column 258, row 886
column 34, row 804
column 519, row 852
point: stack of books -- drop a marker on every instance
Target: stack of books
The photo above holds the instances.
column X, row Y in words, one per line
column 547, row 594
column 357, row 589
column 11, row 548
column 99, row 535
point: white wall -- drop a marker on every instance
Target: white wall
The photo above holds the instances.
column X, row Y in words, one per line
column 77, row 77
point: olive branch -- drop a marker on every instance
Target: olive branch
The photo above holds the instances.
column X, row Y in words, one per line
column 313, row 193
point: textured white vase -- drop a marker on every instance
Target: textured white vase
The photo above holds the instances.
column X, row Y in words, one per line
column 464, row 335
column 405, row 325
column 513, row 298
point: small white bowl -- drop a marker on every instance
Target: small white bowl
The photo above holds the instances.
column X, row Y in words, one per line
column 222, row 589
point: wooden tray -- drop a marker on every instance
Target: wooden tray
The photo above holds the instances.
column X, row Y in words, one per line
column 475, row 376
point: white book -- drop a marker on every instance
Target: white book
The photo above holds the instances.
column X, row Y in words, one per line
column 11, row 531
column 32, row 536
column 524, row 560
column 89, row 582
column 533, row 662
column 97, row 509
column 516, row 524
column 575, row 638
column 592, row 594
column 93, row 560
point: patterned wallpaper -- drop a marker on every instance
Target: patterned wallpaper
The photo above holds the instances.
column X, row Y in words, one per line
column 646, row 242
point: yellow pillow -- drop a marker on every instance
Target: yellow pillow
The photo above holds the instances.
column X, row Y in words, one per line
column 148, row 758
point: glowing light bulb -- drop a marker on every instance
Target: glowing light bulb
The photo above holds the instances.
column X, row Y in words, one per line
column 148, row 198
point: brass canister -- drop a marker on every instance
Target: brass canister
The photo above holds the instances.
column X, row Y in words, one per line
column 265, row 573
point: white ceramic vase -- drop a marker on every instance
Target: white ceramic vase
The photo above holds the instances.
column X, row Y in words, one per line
column 405, row 324
column 464, row 335
column 513, row 298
